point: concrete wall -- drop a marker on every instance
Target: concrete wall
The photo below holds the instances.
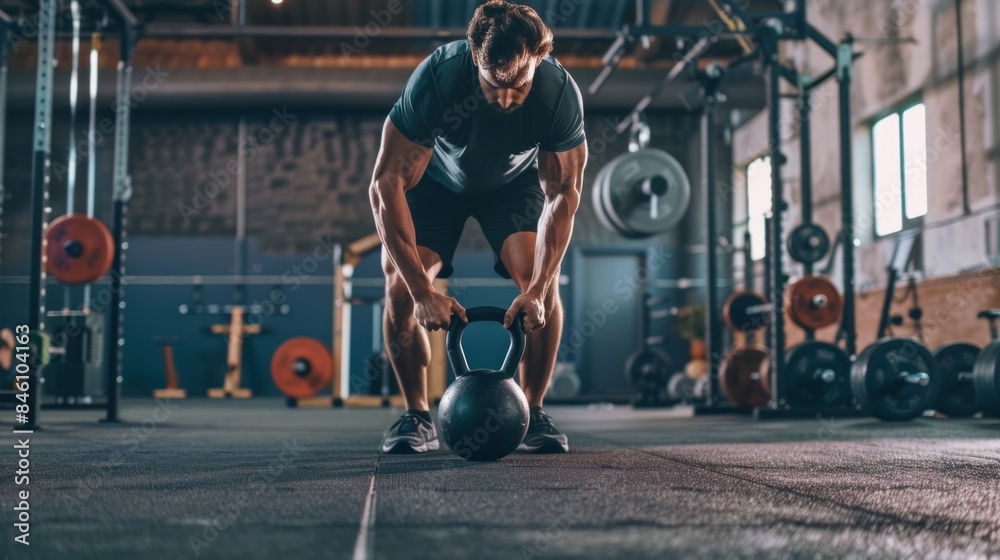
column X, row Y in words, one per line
column 890, row 73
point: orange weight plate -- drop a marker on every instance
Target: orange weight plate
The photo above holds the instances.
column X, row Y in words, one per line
column 301, row 367
column 743, row 376
column 6, row 349
column 813, row 302
column 78, row 249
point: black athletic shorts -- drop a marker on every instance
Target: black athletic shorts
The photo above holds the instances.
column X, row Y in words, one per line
column 439, row 215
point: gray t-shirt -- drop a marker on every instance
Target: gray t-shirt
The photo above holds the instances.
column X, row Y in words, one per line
column 477, row 148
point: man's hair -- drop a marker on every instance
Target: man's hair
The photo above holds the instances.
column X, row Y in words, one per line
column 504, row 36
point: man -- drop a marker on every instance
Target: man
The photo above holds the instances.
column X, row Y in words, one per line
column 489, row 127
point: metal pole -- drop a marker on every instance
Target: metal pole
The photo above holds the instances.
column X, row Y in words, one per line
column 122, row 191
column 41, row 166
column 4, row 52
column 775, row 272
column 714, row 348
column 805, row 156
column 74, row 90
column 95, row 50
column 960, row 78
column 845, row 61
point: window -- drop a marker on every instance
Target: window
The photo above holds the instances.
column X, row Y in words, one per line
column 758, row 204
column 899, row 154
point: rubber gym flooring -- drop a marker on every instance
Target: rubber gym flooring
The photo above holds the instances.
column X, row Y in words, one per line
column 253, row 479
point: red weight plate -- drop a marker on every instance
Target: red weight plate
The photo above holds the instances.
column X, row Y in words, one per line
column 743, row 376
column 78, row 249
column 301, row 367
column 813, row 302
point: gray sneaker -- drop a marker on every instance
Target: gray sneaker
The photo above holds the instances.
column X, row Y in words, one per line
column 542, row 436
column 410, row 434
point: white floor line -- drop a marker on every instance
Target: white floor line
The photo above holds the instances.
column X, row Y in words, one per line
column 362, row 545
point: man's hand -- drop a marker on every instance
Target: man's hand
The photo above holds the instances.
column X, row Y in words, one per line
column 434, row 310
column 532, row 306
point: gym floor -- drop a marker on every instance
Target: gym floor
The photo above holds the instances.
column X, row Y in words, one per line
column 253, row 479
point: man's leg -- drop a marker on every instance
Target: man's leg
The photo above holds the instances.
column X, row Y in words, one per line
column 541, row 346
column 407, row 343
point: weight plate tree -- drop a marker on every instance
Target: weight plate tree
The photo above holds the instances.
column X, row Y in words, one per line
column 895, row 379
column 818, row 374
column 641, row 194
column 958, row 396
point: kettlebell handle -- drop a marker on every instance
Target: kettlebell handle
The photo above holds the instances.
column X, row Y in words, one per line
column 456, row 355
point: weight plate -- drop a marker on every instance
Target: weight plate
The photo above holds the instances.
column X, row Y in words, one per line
column 6, row 349
column 680, row 387
column 301, row 367
column 955, row 363
column 813, row 302
column 78, row 249
column 986, row 377
column 648, row 370
column 696, row 369
column 743, row 376
column 818, row 374
column 808, row 243
column 895, row 379
column 641, row 194
column 746, row 311
column 565, row 383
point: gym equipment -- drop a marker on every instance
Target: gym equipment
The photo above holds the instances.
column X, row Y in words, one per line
column 696, row 368
column 237, row 331
column 813, row 302
column 74, row 375
column 808, row 243
column 565, row 383
column 895, row 379
column 818, row 374
column 641, row 194
column 344, row 301
column 648, row 370
column 743, row 375
column 6, row 349
column 986, row 370
column 483, row 415
column 955, row 362
column 686, row 389
column 302, row 367
column 746, row 311
column 78, row 249
column 172, row 390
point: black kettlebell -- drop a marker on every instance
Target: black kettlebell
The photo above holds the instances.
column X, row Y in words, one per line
column 483, row 415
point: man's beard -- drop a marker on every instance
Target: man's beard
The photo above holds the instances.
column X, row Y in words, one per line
column 512, row 108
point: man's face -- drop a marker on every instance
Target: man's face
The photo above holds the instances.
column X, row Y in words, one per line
column 507, row 96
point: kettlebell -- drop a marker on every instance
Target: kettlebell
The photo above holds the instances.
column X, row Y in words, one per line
column 483, row 415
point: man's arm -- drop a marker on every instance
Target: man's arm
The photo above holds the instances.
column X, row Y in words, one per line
column 400, row 165
column 561, row 177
